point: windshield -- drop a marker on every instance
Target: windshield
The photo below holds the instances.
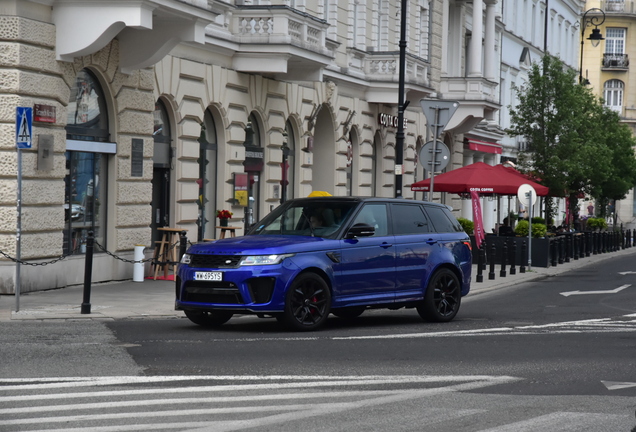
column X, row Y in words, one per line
column 318, row 219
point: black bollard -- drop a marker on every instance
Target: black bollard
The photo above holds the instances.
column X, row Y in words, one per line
column 183, row 244
column 504, row 257
column 481, row 257
column 561, row 247
column 88, row 274
column 493, row 251
column 553, row 252
column 588, row 243
column 577, row 246
column 513, row 257
column 594, row 243
column 568, row 242
column 524, row 258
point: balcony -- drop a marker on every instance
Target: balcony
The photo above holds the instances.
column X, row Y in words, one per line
column 380, row 71
column 618, row 7
column 615, row 62
column 478, row 100
column 280, row 41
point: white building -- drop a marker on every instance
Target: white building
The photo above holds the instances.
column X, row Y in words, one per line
column 136, row 101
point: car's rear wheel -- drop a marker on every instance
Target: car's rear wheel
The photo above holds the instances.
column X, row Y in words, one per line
column 443, row 297
column 349, row 312
column 208, row 318
column 307, row 302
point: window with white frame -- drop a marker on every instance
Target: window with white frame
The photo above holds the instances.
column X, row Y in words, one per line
column 614, row 41
column 424, row 30
column 381, row 29
column 613, row 94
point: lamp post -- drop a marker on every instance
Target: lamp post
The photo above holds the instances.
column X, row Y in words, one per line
column 595, row 37
column 399, row 136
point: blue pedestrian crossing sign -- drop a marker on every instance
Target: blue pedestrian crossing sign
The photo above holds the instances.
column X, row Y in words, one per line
column 24, row 127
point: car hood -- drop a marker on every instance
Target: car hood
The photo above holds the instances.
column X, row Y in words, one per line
column 262, row 245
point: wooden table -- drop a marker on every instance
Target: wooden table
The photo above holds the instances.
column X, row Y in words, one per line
column 231, row 229
column 166, row 254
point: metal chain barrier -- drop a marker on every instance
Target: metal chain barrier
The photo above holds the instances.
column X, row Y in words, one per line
column 53, row 261
column 62, row 257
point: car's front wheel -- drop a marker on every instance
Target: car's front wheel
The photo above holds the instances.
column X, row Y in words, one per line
column 307, row 302
column 443, row 297
column 208, row 318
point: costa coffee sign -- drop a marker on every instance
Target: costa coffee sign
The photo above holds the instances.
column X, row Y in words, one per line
column 388, row 120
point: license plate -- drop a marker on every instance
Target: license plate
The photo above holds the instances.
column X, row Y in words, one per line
column 208, row 276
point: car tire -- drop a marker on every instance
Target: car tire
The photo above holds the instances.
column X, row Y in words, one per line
column 208, row 318
column 307, row 303
column 443, row 297
column 349, row 312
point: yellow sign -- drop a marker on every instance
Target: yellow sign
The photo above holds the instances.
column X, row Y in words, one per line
column 241, row 197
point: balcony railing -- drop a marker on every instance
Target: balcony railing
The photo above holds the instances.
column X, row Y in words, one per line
column 280, row 25
column 615, row 61
column 383, row 66
column 619, row 6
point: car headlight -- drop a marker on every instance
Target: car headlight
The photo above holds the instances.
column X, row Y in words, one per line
column 264, row 259
column 186, row 259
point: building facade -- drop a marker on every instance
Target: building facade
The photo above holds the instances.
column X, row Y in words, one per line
column 606, row 67
column 159, row 113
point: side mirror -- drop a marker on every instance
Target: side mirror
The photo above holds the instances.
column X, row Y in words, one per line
column 360, row 230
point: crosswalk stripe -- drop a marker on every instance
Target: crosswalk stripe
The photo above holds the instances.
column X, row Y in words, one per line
column 561, row 422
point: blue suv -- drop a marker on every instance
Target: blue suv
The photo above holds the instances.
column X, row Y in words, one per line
column 341, row 255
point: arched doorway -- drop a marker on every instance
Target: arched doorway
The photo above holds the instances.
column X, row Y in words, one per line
column 87, row 153
column 161, row 167
column 209, row 150
column 324, row 149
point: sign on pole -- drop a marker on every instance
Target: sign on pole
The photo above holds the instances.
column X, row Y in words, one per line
column 24, row 127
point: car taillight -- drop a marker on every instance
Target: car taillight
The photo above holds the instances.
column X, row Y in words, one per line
column 469, row 245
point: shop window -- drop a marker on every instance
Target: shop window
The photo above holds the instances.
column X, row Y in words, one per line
column 87, row 153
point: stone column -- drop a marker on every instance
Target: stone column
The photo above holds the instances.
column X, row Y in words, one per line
column 489, row 42
column 474, row 68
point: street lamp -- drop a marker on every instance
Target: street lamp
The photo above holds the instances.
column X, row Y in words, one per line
column 595, row 37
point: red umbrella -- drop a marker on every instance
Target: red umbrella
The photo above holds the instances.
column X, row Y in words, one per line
column 482, row 178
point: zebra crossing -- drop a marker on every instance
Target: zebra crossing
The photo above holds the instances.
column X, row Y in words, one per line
column 236, row 403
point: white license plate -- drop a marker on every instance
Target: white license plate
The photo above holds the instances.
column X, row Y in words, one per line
column 208, row 276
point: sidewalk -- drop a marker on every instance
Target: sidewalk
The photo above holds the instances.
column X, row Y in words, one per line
column 152, row 299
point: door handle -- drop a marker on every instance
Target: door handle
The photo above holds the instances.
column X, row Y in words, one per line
column 385, row 245
column 431, row 241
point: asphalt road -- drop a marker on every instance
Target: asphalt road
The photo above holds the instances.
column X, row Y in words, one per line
column 552, row 355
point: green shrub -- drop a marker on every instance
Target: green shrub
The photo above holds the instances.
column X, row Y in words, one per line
column 467, row 225
column 538, row 229
column 596, row 223
column 538, row 220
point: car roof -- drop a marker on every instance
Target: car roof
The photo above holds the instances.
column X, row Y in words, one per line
column 362, row 199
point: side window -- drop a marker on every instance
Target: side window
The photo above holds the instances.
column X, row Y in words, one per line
column 376, row 216
column 409, row 219
column 443, row 220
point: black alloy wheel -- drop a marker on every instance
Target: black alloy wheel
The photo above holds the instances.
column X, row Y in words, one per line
column 443, row 297
column 208, row 318
column 307, row 303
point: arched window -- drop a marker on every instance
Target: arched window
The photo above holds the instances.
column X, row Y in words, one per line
column 162, row 159
column 88, row 147
column 254, row 160
column 291, row 161
column 376, row 152
column 613, row 94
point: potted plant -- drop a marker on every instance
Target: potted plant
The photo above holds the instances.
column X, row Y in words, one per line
column 223, row 216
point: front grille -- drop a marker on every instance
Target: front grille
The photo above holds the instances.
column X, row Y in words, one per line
column 212, row 292
column 215, row 261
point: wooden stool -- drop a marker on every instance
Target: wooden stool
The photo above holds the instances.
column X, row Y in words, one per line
column 166, row 250
column 223, row 229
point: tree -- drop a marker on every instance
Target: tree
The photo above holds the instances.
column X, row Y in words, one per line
column 567, row 129
column 620, row 143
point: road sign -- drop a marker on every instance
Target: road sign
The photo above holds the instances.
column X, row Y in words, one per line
column 24, row 127
column 441, row 156
column 444, row 110
column 525, row 193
